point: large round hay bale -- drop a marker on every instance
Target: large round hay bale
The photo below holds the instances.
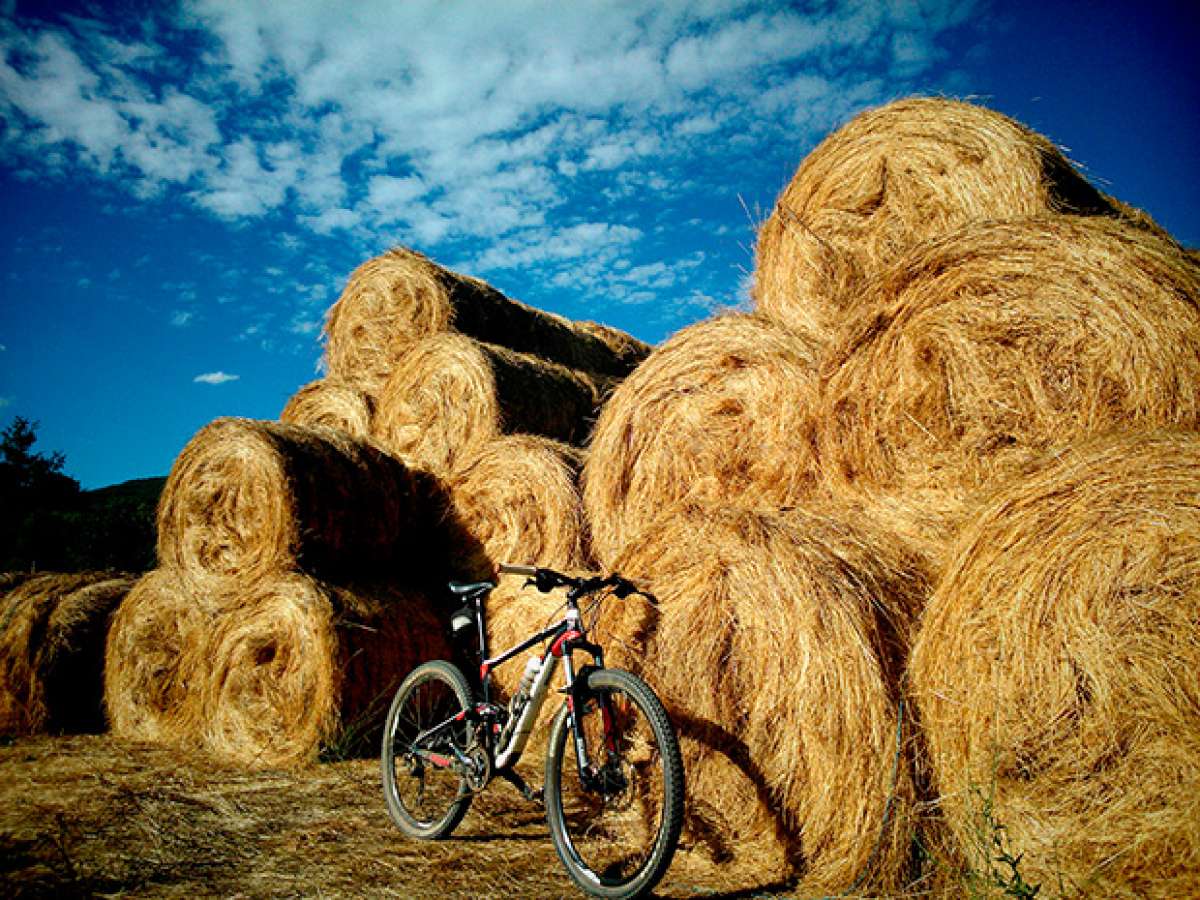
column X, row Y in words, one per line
column 776, row 642
column 730, row 399
column 247, row 498
column 401, row 296
column 330, row 403
column 156, row 659
column 52, row 633
column 302, row 666
column 1002, row 341
column 1055, row 671
column 517, row 501
column 891, row 178
column 451, row 394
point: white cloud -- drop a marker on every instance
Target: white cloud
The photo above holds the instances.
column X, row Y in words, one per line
column 181, row 318
column 215, row 378
column 511, row 135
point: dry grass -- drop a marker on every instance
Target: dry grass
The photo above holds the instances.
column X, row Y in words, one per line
column 728, row 402
column 777, row 643
column 402, row 296
column 329, row 403
column 90, row 816
column 1056, row 670
column 450, row 395
column 247, row 499
column 1000, row 342
column 892, row 178
column 52, row 633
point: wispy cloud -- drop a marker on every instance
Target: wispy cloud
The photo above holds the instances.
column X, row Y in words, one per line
column 496, row 135
column 215, row 378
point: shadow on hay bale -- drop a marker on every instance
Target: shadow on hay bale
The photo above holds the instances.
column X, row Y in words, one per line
column 328, row 403
column 246, row 499
column 894, row 177
column 777, row 644
column 402, row 296
column 730, row 400
column 1056, row 671
column 1001, row 341
column 451, row 394
column 52, row 634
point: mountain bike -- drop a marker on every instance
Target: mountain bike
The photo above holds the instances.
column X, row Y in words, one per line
column 613, row 801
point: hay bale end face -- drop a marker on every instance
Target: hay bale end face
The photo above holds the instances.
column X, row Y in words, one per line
column 155, row 661
column 328, row 403
column 450, row 395
column 53, row 629
column 1002, row 341
column 729, row 401
column 1055, row 671
column 246, row 499
column 892, row 178
column 403, row 296
column 776, row 644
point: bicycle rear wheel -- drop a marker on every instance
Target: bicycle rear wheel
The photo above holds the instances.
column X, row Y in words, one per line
column 426, row 796
column 615, row 825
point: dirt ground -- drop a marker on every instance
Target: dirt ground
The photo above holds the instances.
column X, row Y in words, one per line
column 91, row 816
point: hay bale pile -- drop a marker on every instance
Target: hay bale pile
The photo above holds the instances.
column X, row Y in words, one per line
column 52, row 633
column 1056, row 671
column 941, row 300
column 299, row 559
column 451, row 363
column 281, row 549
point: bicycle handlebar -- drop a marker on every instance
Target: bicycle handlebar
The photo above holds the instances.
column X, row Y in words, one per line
column 546, row 580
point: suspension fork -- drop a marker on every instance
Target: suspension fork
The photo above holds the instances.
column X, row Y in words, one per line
column 577, row 697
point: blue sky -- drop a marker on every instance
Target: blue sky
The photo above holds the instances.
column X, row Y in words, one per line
column 185, row 187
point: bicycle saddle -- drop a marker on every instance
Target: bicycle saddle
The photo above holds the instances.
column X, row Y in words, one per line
column 476, row 587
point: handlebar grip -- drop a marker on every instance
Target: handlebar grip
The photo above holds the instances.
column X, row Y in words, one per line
column 508, row 569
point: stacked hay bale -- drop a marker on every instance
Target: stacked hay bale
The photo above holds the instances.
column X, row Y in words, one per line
column 892, row 178
column 53, row 629
column 940, row 298
column 1056, row 672
column 280, row 547
column 492, row 396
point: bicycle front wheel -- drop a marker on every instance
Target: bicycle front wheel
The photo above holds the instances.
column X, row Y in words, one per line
column 426, row 795
column 616, row 823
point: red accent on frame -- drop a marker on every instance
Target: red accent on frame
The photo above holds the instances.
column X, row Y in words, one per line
column 571, row 634
column 442, row 762
column 610, row 739
column 462, row 715
column 483, row 671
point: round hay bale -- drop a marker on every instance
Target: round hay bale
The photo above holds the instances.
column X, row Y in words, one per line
column 518, row 501
column 451, row 395
column 155, row 661
column 890, row 179
column 52, row 632
column 776, row 643
column 1055, row 671
column 69, row 665
column 248, row 498
column 402, row 296
column 729, row 399
column 1002, row 341
column 330, row 404
column 303, row 666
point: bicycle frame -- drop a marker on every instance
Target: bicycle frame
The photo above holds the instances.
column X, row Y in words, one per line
column 566, row 636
